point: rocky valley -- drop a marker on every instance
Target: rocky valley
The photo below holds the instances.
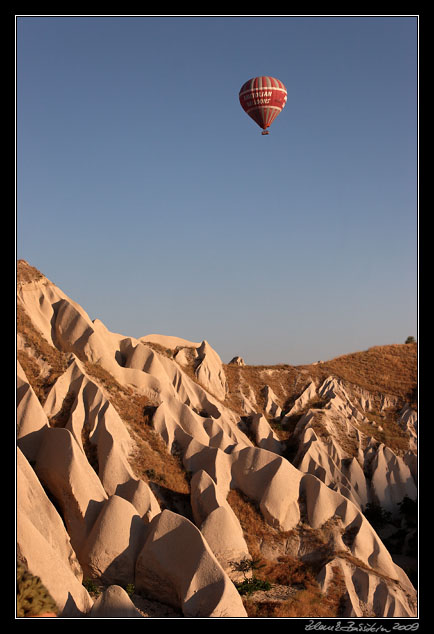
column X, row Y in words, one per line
column 153, row 480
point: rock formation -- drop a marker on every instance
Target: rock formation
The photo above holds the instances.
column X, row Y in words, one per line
column 107, row 422
column 114, row 603
column 237, row 361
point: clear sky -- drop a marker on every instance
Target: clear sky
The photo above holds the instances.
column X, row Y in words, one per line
column 150, row 198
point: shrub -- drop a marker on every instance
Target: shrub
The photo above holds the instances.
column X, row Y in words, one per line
column 91, row 586
column 130, row 589
column 250, row 585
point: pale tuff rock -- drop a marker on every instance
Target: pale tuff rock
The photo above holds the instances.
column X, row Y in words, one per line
column 90, row 411
column 360, row 543
column 72, row 331
column 172, row 418
column 368, row 595
column 300, row 403
column 323, row 504
column 338, row 399
column 215, row 462
column 114, row 542
column 138, row 356
column 42, row 561
column 332, row 448
column 391, row 479
column 276, row 485
column 248, row 403
column 218, row 523
column 114, row 469
column 68, row 383
column 129, row 360
column 31, row 418
column 209, row 371
column 330, row 464
column 358, row 489
column 271, row 407
column 57, row 316
column 408, row 421
column 410, row 459
column 176, row 566
column 237, row 361
column 223, row 534
column 178, row 423
column 173, row 384
column 186, row 356
column 264, row 436
column 89, row 408
column 115, row 527
column 40, row 300
column 247, row 406
column 114, row 603
column 217, row 435
column 141, row 497
column 63, row 468
column 168, row 341
column 206, row 496
column 43, row 544
column 272, row 482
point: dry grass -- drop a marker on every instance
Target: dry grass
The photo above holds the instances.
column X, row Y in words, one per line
column 27, row 273
column 166, row 352
column 36, row 347
column 388, row 369
column 285, row 381
column 61, row 418
column 151, row 461
column 37, row 352
column 380, row 370
column 255, row 528
column 386, row 430
column 357, row 563
column 307, row 600
column 318, row 426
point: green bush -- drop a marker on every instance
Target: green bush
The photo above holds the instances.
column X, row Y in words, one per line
column 130, row 589
column 91, row 586
column 248, row 586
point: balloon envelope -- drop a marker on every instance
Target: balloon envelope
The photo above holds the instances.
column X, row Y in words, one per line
column 263, row 98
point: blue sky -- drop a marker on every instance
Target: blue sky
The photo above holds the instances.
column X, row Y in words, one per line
column 150, row 198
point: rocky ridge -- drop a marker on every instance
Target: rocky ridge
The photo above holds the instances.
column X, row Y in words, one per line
column 131, row 454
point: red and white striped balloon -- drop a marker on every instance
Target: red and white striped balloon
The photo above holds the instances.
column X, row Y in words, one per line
column 263, row 98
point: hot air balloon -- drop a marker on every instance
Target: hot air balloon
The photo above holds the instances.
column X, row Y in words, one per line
column 263, row 98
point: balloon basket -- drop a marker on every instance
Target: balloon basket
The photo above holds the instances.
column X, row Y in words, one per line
column 265, row 132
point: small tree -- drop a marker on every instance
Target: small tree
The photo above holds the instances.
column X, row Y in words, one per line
column 410, row 340
column 250, row 585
